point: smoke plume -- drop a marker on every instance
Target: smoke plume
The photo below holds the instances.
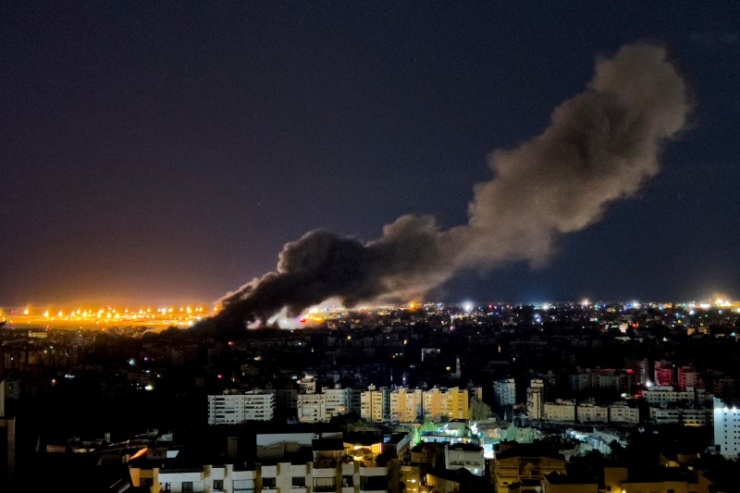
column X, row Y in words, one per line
column 600, row 146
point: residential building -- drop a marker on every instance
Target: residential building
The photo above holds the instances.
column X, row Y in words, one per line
column 315, row 408
column 688, row 377
column 451, row 403
column 666, row 479
column 665, row 373
column 570, row 483
column 536, row 399
column 622, row 413
column 589, row 412
column 467, row 456
column 233, row 408
column 726, row 429
column 530, row 462
column 375, row 404
column 322, row 465
column 504, row 393
column 405, row 405
column 666, row 395
column 560, row 410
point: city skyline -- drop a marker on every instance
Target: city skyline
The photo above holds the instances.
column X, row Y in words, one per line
column 167, row 154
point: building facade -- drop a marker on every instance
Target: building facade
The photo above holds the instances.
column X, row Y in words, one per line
column 234, row 408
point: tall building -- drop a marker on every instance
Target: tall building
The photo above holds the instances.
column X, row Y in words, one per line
column 726, row 429
column 311, row 408
column 405, row 405
column 234, row 408
column 504, row 393
column 338, row 400
column 375, row 404
column 408, row 405
column 452, row 403
column 535, row 399
column 688, row 377
column 665, row 373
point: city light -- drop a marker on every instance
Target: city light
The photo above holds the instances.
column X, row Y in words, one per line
column 97, row 317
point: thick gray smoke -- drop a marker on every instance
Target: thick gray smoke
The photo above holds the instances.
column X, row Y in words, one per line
column 601, row 146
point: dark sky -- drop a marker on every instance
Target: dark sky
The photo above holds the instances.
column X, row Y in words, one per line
column 157, row 152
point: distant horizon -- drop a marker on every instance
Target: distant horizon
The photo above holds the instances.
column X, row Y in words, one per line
column 171, row 303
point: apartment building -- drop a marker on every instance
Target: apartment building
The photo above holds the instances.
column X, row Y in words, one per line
column 560, row 410
column 726, row 429
column 504, row 392
column 622, row 413
column 316, row 408
column 536, row 399
column 234, row 407
column 589, row 412
column 334, row 465
column 409, row 405
column 406, row 405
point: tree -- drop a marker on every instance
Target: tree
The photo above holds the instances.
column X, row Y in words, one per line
column 429, row 426
column 479, row 410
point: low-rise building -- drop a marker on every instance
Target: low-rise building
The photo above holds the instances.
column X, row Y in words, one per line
column 465, row 455
column 560, row 410
column 516, row 462
column 622, row 413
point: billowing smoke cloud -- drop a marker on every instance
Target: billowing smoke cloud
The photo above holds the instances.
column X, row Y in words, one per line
column 601, row 146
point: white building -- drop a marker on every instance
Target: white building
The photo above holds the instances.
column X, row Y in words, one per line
column 338, row 400
column 666, row 395
column 665, row 415
column 504, row 392
column 620, row 412
column 588, row 412
column 344, row 469
column 687, row 416
column 233, row 408
column 315, row 408
column 726, row 429
column 307, row 384
column 560, row 410
column 311, row 408
column 467, row 456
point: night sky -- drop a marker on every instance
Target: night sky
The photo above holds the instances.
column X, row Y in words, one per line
column 164, row 152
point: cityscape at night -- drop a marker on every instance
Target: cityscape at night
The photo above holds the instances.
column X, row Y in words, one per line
column 369, row 247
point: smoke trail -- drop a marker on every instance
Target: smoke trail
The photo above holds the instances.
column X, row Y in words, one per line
column 600, row 146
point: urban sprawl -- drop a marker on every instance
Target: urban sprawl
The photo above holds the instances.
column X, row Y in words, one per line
column 520, row 398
